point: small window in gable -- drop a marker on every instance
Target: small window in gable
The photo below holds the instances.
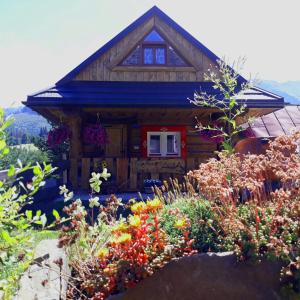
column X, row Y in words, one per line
column 175, row 59
column 154, row 50
column 153, row 36
column 134, row 58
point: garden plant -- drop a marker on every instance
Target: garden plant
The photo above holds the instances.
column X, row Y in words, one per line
column 18, row 227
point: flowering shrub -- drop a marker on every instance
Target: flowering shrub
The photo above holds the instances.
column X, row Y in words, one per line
column 58, row 135
column 95, row 134
column 234, row 178
column 236, row 206
column 198, row 215
column 255, row 199
column 113, row 255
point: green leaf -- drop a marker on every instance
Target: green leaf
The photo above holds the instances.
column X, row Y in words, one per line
column 28, row 214
column 56, row 214
column 232, row 103
column 1, row 183
column 2, row 144
column 38, row 213
column 36, row 170
column 6, row 151
column 11, row 171
column 6, row 236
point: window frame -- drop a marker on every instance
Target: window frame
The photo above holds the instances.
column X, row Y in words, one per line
column 154, row 45
column 164, row 143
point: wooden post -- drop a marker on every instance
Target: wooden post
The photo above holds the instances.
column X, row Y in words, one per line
column 85, row 173
column 122, row 173
column 133, row 174
column 74, row 122
column 73, row 176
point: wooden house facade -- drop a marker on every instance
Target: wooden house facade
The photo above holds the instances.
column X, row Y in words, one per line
column 137, row 86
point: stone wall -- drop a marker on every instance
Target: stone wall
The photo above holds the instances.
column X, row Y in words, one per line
column 209, row 277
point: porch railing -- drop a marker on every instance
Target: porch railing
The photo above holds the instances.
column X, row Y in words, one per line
column 128, row 173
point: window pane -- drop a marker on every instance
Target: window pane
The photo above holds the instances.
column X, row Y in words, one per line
column 148, row 56
column 172, row 144
column 175, row 59
column 160, row 56
column 153, row 36
column 133, row 58
column 154, row 147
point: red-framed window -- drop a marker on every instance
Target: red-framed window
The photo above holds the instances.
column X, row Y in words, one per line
column 163, row 141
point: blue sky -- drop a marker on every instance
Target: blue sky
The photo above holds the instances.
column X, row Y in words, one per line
column 42, row 40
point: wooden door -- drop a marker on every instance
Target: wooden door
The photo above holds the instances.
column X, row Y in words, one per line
column 117, row 145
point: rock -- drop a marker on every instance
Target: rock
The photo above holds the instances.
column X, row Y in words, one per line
column 44, row 279
column 209, row 277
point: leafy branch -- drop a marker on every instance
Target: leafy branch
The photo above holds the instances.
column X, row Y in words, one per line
column 229, row 88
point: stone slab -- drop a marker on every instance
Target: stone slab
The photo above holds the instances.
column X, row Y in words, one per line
column 44, row 279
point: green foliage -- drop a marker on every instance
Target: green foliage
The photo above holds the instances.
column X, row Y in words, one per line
column 26, row 154
column 203, row 226
column 226, row 81
column 53, row 153
column 16, row 233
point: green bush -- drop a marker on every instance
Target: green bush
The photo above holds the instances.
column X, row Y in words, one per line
column 24, row 154
column 201, row 219
column 17, row 236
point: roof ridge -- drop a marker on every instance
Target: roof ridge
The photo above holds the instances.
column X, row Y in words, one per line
column 148, row 14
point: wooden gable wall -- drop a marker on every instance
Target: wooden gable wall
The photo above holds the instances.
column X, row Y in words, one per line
column 106, row 68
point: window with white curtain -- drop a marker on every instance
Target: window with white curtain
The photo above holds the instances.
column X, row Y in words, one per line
column 163, row 144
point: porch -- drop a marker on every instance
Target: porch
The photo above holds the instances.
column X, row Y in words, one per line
column 128, row 174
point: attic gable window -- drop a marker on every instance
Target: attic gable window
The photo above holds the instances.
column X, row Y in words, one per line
column 153, row 36
column 154, row 50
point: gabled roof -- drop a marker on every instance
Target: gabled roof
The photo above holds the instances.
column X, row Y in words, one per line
column 277, row 123
column 140, row 94
column 154, row 11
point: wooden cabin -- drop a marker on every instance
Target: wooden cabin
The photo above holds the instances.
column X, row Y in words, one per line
column 137, row 85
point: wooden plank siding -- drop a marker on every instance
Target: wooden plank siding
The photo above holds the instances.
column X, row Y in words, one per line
column 106, row 68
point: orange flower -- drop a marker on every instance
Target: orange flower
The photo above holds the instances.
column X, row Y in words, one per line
column 135, row 221
column 181, row 223
column 102, row 253
column 124, row 238
column 154, row 204
column 139, row 208
column 121, row 227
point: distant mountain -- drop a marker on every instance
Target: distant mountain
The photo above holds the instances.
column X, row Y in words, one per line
column 26, row 120
column 290, row 90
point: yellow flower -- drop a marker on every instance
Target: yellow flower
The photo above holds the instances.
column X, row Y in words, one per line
column 124, row 238
column 180, row 223
column 154, row 204
column 135, row 221
column 121, row 227
column 103, row 252
column 138, row 207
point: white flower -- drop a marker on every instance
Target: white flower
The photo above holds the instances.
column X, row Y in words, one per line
column 94, row 202
column 105, row 175
column 68, row 196
column 63, row 189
